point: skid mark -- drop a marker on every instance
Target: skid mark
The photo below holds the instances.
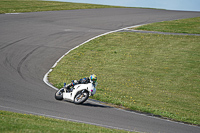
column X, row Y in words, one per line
column 22, row 61
column 1, row 48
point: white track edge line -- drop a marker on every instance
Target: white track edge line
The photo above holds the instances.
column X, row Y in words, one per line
column 45, row 79
column 68, row 119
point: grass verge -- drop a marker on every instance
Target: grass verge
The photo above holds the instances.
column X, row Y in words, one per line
column 16, row 6
column 14, row 122
column 191, row 26
column 158, row 74
column 151, row 73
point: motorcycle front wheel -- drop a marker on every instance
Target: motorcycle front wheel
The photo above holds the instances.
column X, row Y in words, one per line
column 59, row 95
column 81, row 97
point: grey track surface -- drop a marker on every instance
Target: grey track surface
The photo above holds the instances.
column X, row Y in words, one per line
column 30, row 43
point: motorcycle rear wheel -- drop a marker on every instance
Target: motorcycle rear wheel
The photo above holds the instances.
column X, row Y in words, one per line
column 81, row 97
column 59, row 95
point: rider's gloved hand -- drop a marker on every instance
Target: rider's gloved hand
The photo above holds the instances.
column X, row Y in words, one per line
column 66, row 86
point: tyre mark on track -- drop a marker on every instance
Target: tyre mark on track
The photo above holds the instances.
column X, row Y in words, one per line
column 22, row 61
column 7, row 63
column 1, row 48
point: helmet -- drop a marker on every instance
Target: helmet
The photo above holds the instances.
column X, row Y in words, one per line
column 93, row 78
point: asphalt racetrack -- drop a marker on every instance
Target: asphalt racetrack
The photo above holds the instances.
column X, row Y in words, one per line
column 30, row 44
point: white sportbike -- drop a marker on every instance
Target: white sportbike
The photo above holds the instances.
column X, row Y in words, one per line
column 78, row 94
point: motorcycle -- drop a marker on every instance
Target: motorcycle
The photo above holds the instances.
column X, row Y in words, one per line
column 78, row 93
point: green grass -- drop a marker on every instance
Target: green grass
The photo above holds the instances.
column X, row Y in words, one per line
column 151, row 73
column 16, row 6
column 18, row 123
column 191, row 25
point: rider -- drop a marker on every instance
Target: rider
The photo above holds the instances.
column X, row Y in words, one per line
column 91, row 79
